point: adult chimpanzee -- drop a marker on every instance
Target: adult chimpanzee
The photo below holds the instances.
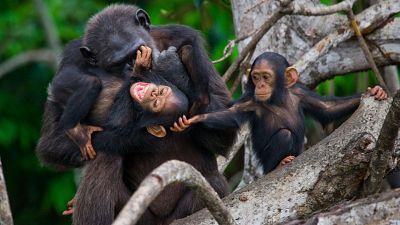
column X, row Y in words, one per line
column 274, row 105
column 136, row 126
column 103, row 57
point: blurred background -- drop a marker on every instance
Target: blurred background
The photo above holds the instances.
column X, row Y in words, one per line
column 31, row 31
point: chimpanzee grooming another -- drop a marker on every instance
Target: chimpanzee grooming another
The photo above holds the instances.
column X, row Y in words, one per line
column 136, row 126
column 95, row 67
column 275, row 105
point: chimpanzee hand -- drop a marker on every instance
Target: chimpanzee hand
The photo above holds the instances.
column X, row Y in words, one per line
column 81, row 135
column 70, row 207
column 167, row 60
column 184, row 123
column 378, row 92
column 143, row 60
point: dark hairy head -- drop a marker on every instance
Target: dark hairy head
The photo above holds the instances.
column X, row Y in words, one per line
column 113, row 35
column 278, row 64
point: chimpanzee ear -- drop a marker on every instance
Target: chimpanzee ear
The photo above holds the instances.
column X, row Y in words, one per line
column 88, row 54
column 157, row 130
column 143, row 18
column 291, row 76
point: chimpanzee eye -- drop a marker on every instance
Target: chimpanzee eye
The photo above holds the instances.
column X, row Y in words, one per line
column 256, row 77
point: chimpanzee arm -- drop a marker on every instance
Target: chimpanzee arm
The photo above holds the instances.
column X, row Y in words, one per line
column 280, row 145
column 194, row 57
column 86, row 89
column 326, row 109
column 119, row 131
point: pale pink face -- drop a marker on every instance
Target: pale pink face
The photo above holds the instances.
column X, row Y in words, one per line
column 263, row 77
column 152, row 97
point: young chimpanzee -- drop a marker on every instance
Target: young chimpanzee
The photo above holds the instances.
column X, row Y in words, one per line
column 275, row 105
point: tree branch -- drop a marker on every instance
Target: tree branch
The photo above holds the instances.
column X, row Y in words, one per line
column 348, row 56
column 241, row 136
column 49, row 27
column 297, row 8
column 384, row 148
column 27, row 57
column 170, row 172
column 5, row 211
column 369, row 20
column 272, row 19
column 382, row 208
column 366, row 50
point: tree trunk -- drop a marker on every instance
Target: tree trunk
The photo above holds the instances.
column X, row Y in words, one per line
column 5, row 211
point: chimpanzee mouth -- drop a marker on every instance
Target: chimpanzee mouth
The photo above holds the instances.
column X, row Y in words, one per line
column 139, row 90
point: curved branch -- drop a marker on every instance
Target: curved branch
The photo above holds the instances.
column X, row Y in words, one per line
column 170, row 172
column 27, row 57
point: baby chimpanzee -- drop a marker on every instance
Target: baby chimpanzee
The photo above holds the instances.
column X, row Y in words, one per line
column 275, row 104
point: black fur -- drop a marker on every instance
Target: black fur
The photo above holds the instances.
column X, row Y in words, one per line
column 277, row 124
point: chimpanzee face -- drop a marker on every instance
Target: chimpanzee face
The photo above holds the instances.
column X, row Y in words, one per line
column 263, row 77
column 156, row 98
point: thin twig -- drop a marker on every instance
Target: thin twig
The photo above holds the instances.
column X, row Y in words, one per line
column 171, row 172
column 45, row 55
column 256, row 38
column 231, row 45
column 384, row 148
column 366, row 50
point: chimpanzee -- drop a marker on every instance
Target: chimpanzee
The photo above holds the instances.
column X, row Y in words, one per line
column 105, row 56
column 136, row 127
column 275, row 104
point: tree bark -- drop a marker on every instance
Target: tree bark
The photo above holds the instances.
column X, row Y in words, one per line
column 294, row 36
column 324, row 175
column 382, row 208
column 5, row 211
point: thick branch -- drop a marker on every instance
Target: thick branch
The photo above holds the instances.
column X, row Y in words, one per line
column 319, row 178
column 170, row 172
column 384, row 148
column 369, row 19
column 349, row 57
column 382, row 208
column 5, row 211
column 27, row 57
column 297, row 8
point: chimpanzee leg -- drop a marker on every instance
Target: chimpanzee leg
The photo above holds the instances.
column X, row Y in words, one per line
column 102, row 192
column 191, row 202
column 55, row 148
